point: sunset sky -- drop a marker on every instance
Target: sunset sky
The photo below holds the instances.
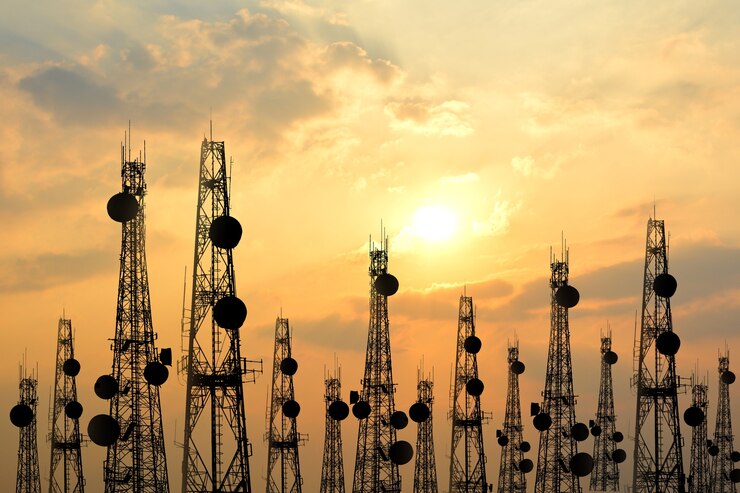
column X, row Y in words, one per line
column 478, row 132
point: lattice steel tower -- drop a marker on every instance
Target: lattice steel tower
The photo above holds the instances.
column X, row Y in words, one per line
column 699, row 470
column 28, row 479
column 557, row 444
column 374, row 471
column 605, row 476
column 136, row 462
column 467, row 458
column 511, row 478
column 65, row 474
column 722, row 463
column 216, row 449
column 283, row 439
column 425, row 467
column 658, row 461
column 332, row 467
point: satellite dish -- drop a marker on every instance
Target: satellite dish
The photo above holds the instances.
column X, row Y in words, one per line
column 665, row 285
column 728, row 377
column 610, row 357
column 579, row 432
column 472, row 344
column 401, row 452
column 525, row 446
column 567, row 296
column 225, row 232
column 103, row 430
column 735, row 475
column 474, row 387
column 289, row 366
column 73, row 410
column 735, row 456
column 123, row 207
column 526, row 466
column 419, row 412
column 291, row 408
column 713, row 450
column 386, row 284
column 71, row 367
column 596, row 430
column 503, row 440
column 581, row 464
column 542, row 421
column 155, row 373
column 693, row 416
column 21, row 415
column 399, row 420
column 230, row 312
column 619, row 455
column 668, row 343
column 361, row 409
column 617, row 436
column 106, row 387
column 517, row 367
column 338, row 410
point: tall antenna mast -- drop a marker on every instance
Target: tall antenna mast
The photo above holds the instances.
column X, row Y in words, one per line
column 699, row 472
column 425, row 467
column 724, row 474
column 332, row 468
column 23, row 415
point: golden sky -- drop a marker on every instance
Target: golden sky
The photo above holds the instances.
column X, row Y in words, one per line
column 478, row 132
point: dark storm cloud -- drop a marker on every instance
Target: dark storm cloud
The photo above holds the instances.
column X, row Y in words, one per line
column 23, row 274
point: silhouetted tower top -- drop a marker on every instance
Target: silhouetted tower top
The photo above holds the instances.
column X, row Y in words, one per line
column 332, row 468
column 559, row 464
column 65, row 475
column 216, row 449
column 699, row 471
column 283, row 439
column 467, row 457
column 425, row 466
column 374, row 471
column 724, row 474
column 23, row 415
column 658, row 459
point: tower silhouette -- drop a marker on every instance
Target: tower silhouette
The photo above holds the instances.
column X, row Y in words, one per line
column 283, row 439
column 658, row 461
column 511, row 476
column 558, row 463
column 467, row 458
column 65, row 474
column 699, row 469
column 723, row 472
column 332, row 468
column 28, row 479
column 136, row 461
column 425, row 467
column 374, row 471
column 605, row 476
column 215, row 421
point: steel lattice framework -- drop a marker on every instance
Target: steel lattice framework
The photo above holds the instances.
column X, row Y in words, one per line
column 557, row 446
column 65, row 431
column 699, row 469
column 215, row 421
column 425, row 467
column 374, row 472
column 722, row 464
column 605, row 475
column 28, row 479
column 510, row 478
column 283, row 439
column 658, row 460
column 136, row 462
column 332, row 467
column 467, row 458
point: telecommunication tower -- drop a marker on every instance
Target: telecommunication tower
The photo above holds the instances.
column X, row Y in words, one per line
column 332, row 467
column 65, row 474
column 28, row 479
column 136, row 460
column 605, row 476
column 467, row 458
column 511, row 476
column 658, row 460
column 283, row 439
column 699, row 469
column 374, row 471
column 724, row 475
column 425, row 467
column 559, row 465
column 216, row 449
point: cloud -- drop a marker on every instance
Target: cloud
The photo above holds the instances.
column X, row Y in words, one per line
column 497, row 223
column 335, row 332
column 41, row 272
column 469, row 177
column 448, row 118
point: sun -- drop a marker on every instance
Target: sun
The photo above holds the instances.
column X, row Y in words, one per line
column 434, row 223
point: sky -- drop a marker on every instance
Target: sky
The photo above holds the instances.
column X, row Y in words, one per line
column 479, row 133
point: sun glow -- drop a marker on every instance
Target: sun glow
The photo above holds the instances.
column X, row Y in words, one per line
column 434, row 223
